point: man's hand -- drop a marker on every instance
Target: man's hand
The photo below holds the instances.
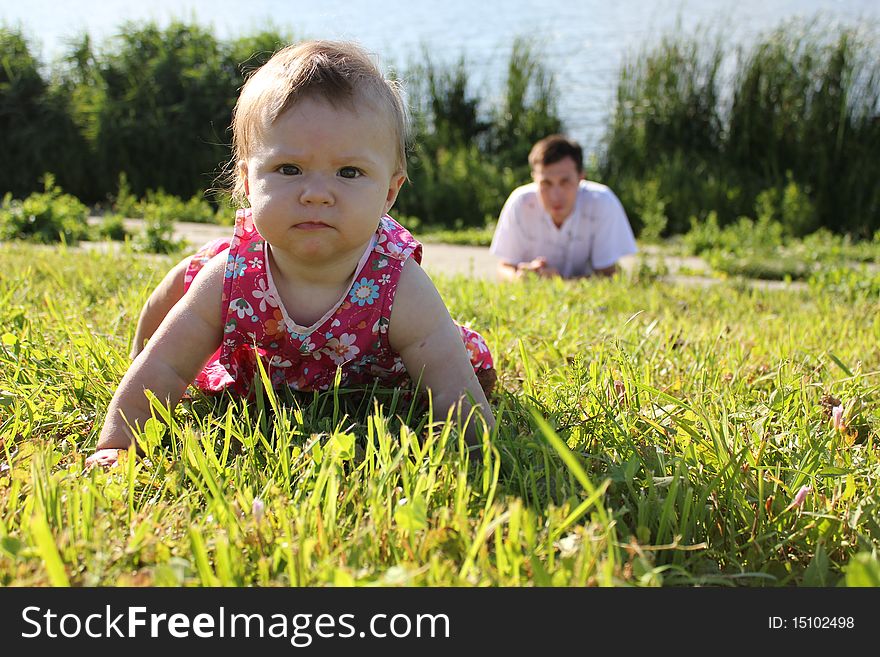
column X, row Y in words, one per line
column 537, row 266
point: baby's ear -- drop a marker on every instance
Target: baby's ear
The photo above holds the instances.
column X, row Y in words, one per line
column 394, row 189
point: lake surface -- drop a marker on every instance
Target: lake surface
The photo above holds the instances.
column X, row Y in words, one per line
column 582, row 42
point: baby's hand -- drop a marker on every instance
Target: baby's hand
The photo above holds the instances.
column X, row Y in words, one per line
column 106, row 458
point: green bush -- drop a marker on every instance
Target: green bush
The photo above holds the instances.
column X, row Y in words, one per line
column 167, row 101
column 825, row 246
column 805, row 107
column 164, row 207
column 846, row 283
column 467, row 157
column 158, row 236
column 704, row 235
column 666, row 131
column 794, row 132
column 125, row 203
column 741, row 247
column 46, row 217
column 791, row 208
column 454, row 187
column 152, row 103
column 112, row 227
column 648, row 208
column 527, row 112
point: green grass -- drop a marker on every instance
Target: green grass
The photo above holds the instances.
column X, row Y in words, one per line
column 464, row 236
column 647, row 435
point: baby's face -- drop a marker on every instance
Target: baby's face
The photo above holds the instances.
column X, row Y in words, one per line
column 320, row 179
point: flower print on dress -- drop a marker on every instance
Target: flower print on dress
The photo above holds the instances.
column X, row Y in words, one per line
column 308, row 348
column 278, row 361
column 235, row 266
column 367, row 359
column 381, row 325
column 343, row 349
column 275, row 325
column 255, row 263
column 230, row 326
column 365, row 291
column 477, row 340
column 241, row 307
column 384, row 279
column 265, row 296
column 394, row 248
column 477, row 349
column 473, row 351
column 393, row 371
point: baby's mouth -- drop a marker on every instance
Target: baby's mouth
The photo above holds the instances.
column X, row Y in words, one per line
column 311, row 225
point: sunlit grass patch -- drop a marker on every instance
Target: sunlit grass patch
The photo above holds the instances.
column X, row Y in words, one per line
column 648, row 434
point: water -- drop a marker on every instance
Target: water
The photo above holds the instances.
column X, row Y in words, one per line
column 583, row 42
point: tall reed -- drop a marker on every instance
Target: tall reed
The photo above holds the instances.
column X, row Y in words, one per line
column 801, row 106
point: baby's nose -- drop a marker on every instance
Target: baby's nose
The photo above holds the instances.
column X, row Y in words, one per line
column 316, row 192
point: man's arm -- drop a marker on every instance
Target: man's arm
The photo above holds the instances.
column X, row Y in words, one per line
column 613, row 236
column 508, row 241
column 508, row 271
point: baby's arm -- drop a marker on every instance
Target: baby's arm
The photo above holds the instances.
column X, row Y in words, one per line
column 429, row 343
column 186, row 338
column 167, row 293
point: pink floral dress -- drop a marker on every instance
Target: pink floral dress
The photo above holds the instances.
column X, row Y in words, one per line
column 352, row 335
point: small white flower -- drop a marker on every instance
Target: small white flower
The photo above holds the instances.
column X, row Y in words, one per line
column 837, row 418
column 799, row 498
column 258, row 509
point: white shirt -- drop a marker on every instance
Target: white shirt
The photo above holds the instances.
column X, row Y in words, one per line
column 594, row 236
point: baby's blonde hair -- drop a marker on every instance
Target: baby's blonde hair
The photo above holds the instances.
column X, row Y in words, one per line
column 337, row 72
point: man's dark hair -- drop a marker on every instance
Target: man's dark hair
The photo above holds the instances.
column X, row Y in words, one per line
column 554, row 148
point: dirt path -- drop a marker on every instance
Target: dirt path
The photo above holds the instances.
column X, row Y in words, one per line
column 477, row 262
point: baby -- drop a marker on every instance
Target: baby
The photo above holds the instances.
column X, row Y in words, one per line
column 317, row 276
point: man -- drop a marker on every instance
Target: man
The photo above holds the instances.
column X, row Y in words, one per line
column 560, row 224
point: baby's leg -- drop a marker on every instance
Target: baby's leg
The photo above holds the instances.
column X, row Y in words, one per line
column 161, row 301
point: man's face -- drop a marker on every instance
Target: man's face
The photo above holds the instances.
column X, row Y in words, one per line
column 558, row 186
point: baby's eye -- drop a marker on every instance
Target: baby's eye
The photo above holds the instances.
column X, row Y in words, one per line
column 289, row 170
column 350, row 172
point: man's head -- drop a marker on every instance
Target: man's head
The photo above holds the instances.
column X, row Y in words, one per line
column 557, row 168
column 339, row 73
